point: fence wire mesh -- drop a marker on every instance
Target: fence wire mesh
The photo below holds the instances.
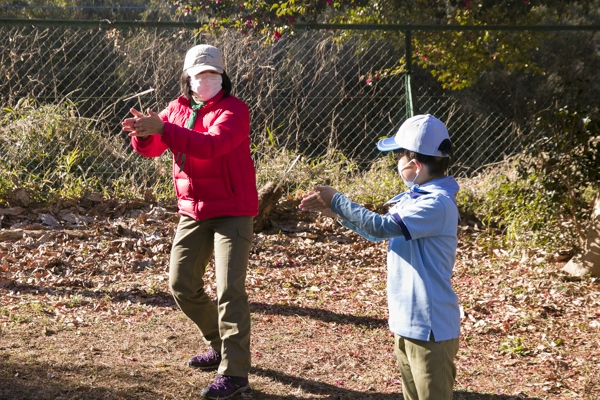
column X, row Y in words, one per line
column 309, row 95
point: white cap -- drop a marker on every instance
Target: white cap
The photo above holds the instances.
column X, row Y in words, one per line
column 422, row 134
column 202, row 58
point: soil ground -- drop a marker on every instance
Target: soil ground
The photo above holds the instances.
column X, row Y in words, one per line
column 85, row 313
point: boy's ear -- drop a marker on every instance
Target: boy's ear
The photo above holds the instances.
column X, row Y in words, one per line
column 419, row 164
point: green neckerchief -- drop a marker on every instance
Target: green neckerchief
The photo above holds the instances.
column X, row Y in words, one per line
column 190, row 125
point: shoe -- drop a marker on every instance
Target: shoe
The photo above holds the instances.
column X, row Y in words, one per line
column 207, row 361
column 225, row 387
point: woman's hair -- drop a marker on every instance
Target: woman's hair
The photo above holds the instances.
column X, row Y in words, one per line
column 186, row 90
column 437, row 166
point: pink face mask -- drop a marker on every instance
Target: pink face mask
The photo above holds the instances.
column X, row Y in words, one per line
column 207, row 86
column 408, row 183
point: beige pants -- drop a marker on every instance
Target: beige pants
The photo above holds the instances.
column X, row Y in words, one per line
column 427, row 368
column 226, row 324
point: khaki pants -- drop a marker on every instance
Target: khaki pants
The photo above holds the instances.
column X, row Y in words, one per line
column 427, row 368
column 226, row 325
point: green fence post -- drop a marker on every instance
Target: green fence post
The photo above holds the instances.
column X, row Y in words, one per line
column 408, row 59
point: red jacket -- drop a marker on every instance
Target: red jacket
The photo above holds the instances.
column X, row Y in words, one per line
column 218, row 178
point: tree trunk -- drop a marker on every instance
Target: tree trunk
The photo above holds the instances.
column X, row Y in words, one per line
column 268, row 196
column 589, row 261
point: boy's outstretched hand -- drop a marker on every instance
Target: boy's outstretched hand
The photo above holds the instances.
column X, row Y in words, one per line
column 319, row 200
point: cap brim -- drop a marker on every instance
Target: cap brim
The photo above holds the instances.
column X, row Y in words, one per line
column 195, row 70
column 387, row 144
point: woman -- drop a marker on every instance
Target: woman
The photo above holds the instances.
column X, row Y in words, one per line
column 207, row 129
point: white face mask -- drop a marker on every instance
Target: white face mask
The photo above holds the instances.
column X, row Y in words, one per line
column 408, row 183
column 206, row 86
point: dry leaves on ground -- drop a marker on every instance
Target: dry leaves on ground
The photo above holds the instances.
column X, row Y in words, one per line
column 85, row 313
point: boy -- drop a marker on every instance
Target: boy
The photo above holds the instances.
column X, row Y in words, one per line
column 422, row 230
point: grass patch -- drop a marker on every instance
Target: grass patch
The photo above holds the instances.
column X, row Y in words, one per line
column 517, row 211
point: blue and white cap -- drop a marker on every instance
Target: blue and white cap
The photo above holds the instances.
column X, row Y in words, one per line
column 422, row 134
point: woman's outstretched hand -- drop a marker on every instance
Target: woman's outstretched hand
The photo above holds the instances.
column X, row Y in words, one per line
column 143, row 126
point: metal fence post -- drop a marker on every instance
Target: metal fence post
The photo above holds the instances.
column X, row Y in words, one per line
column 407, row 88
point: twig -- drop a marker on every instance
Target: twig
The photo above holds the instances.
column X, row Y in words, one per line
column 139, row 94
column 286, row 172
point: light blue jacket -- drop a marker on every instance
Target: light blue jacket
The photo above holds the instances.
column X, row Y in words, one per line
column 422, row 228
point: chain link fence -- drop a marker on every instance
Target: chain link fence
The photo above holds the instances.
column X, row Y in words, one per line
column 307, row 94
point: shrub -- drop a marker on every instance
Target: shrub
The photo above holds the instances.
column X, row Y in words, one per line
column 518, row 208
column 50, row 151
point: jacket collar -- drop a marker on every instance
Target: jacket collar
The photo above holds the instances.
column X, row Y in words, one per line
column 445, row 186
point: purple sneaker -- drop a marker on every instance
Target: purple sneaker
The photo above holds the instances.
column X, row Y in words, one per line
column 207, row 361
column 225, row 387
